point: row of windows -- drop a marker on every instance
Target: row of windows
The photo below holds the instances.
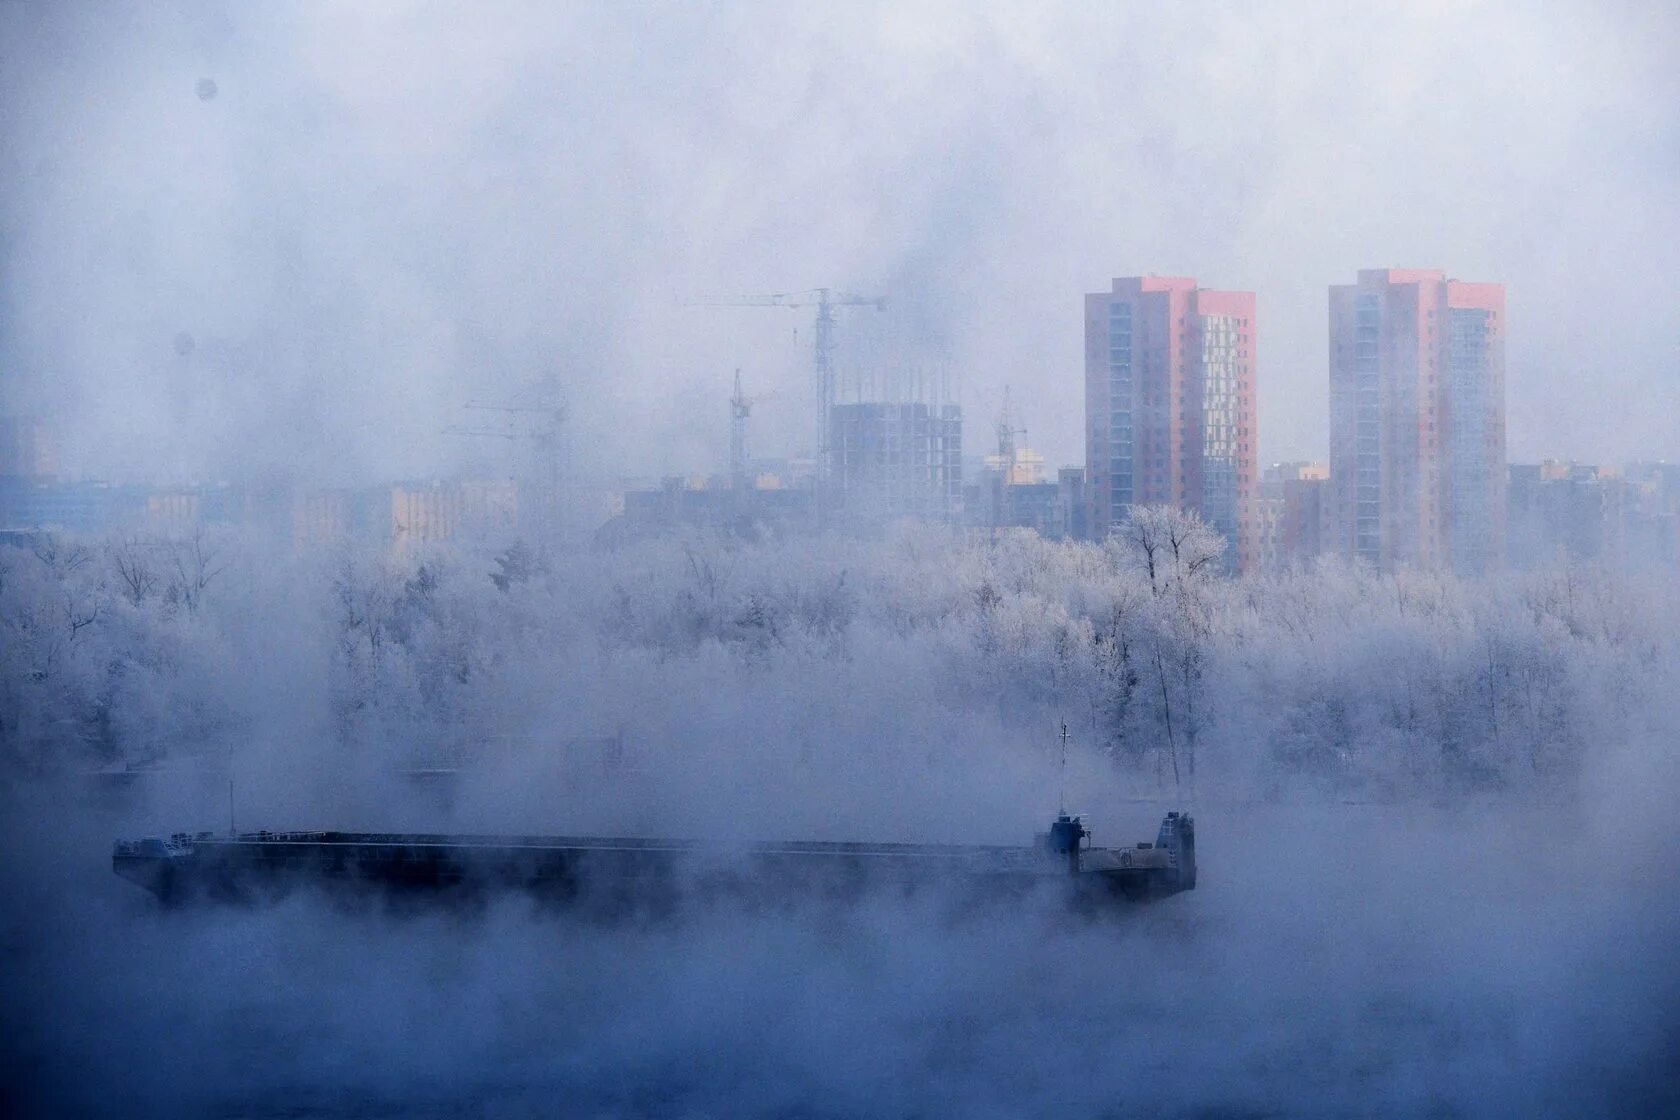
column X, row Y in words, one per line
column 1120, row 390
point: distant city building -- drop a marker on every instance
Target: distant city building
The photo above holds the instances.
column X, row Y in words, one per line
column 34, row 505
column 408, row 515
column 770, row 503
column 1559, row 511
column 1651, row 508
column 1417, row 420
column 1013, row 463
column 1075, row 503
column 27, row 450
column 1302, row 533
column 439, row 511
column 1565, row 512
column 44, row 505
column 894, row 459
column 1170, row 405
column 401, row 516
column 1010, row 490
column 1290, row 513
column 1019, row 466
column 324, row 517
column 1032, row 505
column 1055, row 510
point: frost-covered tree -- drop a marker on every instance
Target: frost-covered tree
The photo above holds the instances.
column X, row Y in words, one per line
column 1177, row 553
column 922, row 643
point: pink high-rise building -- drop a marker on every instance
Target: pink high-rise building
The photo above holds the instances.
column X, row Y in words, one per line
column 1417, row 420
column 1169, row 405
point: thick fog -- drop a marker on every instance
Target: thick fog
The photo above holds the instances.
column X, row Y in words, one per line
column 1436, row 819
column 354, row 220
column 1372, row 963
column 266, row 243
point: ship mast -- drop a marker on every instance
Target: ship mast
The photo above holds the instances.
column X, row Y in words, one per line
column 1061, row 793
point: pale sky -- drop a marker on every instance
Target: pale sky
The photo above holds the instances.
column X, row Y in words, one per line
column 386, row 210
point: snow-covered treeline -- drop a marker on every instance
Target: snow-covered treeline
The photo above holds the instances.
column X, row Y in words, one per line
column 922, row 644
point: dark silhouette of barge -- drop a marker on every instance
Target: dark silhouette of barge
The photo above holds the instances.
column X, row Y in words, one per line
column 630, row 872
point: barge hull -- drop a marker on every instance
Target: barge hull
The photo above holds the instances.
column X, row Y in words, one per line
column 625, row 872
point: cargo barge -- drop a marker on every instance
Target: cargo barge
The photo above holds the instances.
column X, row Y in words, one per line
column 632, row 872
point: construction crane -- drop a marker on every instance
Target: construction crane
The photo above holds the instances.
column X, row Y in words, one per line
column 542, row 403
column 1006, row 433
column 826, row 301
column 1005, row 461
column 740, row 407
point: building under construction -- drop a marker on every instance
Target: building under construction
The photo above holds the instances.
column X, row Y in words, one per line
column 892, row 459
column 893, row 450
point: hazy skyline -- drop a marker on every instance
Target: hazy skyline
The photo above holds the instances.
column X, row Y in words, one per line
column 266, row 242
column 375, row 215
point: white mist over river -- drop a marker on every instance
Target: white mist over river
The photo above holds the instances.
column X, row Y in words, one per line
column 276, row 266
column 1435, row 835
column 1334, row 960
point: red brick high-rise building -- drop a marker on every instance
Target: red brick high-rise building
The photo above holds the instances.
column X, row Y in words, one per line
column 1169, row 405
column 1417, row 420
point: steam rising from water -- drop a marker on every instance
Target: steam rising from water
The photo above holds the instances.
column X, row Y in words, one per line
column 1333, row 960
column 240, row 241
column 1495, row 938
